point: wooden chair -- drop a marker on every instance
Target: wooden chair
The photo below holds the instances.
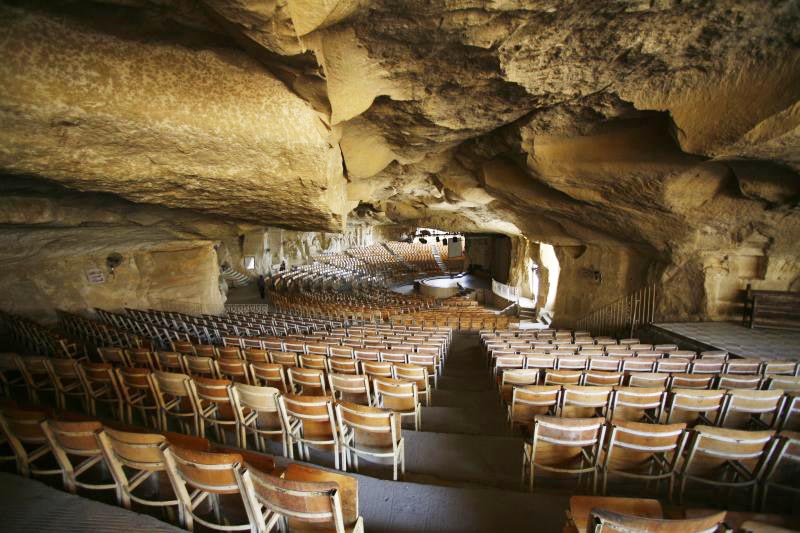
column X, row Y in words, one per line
column 343, row 352
column 102, row 387
column 779, row 367
column 353, row 388
column 176, row 399
column 10, row 376
column 638, row 404
column 648, row 380
column 170, row 362
column 783, row 468
column 183, row 347
column 602, row 378
column 572, row 362
column 115, row 356
column 399, row 396
column 214, row 407
column 370, row 432
column 713, row 454
column 394, row 357
column 208, row 476
column 256, row 356
column 314, row 362
column 142, row 455
column 68, row 383
column 309, row 422
column 738, row 381
column 581, row 507
column 648, row 452
column 22, row 428
column 604, row 364
column 269, row 374
column 306, row 381
column 377, row 369
column 673, row 365
column 304, row 498
column 636, row 364
column 531, row 400
column 605, row 521
column 565, row 446
column 540, row 361
column 748, row 409
column 579, row 401
column 199, row 366
column 286, row 359
column 707, row 366
column 693, row 406
column 256, row 410
column 429, row 362
column 417, row 374
column 516, row 378
column 138, row 392
column 77, row 438
column 143, row 358
column 742, row 366
column 229, row 352
column 562, row 377
column 205, row 350
column 237, row 370
column 37, row 374
column 340, row 365
column 692, row 381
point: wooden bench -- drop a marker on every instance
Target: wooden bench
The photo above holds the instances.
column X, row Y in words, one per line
column 772, row 309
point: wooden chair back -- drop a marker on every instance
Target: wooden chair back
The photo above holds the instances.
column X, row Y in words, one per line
column 211, row 472
column 686, row 405
column 692, row 381
column 371, row 426
column 739, row 381
column 395, row 394
column 306, row 381
column 314, row 362
column 253, row 355
column 378, row 369
column 229, row 352
column 580, row 401
column 634, row 403
column 269, row 374
column 602, row 378
column 648, row 379
column 285, row 358
column 143, row 358
column 315, row 413
column 350, row 387
column 604, row 521
column 170, row 362
column 183, row 347
column 340, row 365
column 529, row 401
column 237, row 370
column 562, row 377
column 743, row 407
column 116, row 356
column 198, row 366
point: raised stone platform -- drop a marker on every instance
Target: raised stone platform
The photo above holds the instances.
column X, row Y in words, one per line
column 733, row 337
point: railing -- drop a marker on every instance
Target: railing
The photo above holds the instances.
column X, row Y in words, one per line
column 623, row 317
column 505, row 291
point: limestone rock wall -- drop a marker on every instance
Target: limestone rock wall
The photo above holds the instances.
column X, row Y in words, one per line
column 648, row 141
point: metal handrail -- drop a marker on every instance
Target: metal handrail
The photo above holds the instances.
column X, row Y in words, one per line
column 623, row 316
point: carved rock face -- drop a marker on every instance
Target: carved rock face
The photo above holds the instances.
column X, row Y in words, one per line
column 661, row 133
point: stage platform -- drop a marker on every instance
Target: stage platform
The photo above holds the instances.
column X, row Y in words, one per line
column 733, row 337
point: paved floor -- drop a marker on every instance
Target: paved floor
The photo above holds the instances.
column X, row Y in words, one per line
column 739, row 340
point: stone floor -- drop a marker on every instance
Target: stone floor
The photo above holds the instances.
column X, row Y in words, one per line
column 737, row 339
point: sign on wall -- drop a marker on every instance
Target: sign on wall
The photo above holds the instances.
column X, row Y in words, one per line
column 95, row 276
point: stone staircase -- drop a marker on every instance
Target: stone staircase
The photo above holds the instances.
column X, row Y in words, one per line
column 438, row 258
column 233, row 277
column 462, row 468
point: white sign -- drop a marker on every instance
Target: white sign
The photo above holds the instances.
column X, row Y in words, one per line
column 95, row 276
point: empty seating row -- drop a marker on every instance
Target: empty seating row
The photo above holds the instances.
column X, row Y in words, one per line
column 198, row 473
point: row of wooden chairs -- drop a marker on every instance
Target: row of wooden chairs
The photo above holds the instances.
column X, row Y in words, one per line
column 197, row 472
column 196, row 402
column 596, row 450
column 537, row 376
column 641, row 364
column 735, row 408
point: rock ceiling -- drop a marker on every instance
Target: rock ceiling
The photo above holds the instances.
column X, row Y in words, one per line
column 664, row 124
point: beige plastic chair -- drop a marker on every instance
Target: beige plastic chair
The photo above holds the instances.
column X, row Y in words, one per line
column 142, row 455
column 531, row 400
column 371, row 432
column 304, row 499
column 77, row 439
column 564, row 446
column 648, row 452
column 399, row 396
column 309, row 422
column 351, row 388
column 256, row 410
column 713, row 452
